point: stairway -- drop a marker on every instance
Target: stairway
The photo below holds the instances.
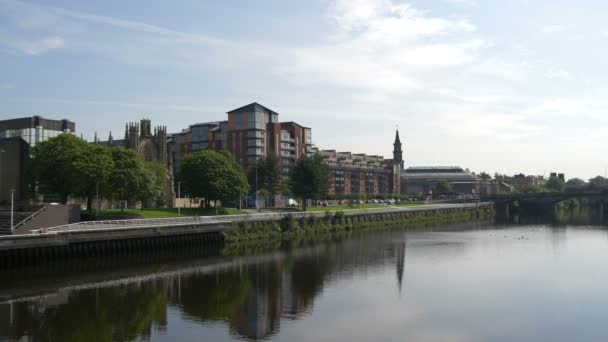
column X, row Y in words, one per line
column 5, row 220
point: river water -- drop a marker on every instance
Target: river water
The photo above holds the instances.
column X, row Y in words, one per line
column 467, row 282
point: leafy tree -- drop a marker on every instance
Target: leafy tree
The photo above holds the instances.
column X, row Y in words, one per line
column 67, row 165
column 152, row 182
column 555, row 184
column 265, row 174
column 530, row 189
column 443, row 187
column 213, row 175
column 485, row 176
column 309, row 179
column 575, row 181
column 126, row 178
column 598, row 181
column 93, row 165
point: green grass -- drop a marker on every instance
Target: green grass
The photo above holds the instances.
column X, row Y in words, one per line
column 347, row 207
column 363, row 206
column 409, row 204
column 163, row 213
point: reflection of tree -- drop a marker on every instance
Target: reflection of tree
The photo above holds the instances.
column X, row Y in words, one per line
column 112, row 314
column 213, row 297
column 307, row 278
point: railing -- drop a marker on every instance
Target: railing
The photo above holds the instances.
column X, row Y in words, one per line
column 27, row 219
column 208, row 220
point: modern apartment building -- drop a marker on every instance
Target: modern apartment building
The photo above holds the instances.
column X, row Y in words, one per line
column 251, row 133
column 35, row 129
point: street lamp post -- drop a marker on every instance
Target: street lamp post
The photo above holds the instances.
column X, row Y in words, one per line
column 12, row 209
column 179, row 184
column 2, row 182
column 97, row 195
column 256, row 185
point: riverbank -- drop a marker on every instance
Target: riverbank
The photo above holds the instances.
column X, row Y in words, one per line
column 124, row 237
column 335, row 222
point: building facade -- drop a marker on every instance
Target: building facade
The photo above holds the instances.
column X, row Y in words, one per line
column 251, row 133
column 358, row 173
column 422, row 180
column 35, row 129
column 14, row 156
column 151, row 144
column 17, row 136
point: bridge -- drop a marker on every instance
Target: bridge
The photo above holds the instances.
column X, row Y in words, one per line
column 548, row 199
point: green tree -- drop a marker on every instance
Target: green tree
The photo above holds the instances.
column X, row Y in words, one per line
column 555, row 184
column 443, row 187
column 309, row 179
column 152, row 183
column 212, row 175
column 575, row 181
column 67, row 165
column 265, row 174
column 598, row 181
column 94, row 165
column 485, row 176
column 126, row 177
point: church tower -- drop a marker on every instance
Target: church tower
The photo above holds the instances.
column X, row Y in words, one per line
column 397, row 152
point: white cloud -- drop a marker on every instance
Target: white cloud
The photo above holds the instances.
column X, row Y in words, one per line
column 553, row 29
column 384, row 47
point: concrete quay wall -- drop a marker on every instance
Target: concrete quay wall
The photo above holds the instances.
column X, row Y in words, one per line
column 97, row 240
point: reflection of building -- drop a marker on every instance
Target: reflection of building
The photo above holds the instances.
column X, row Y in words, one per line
column 352, row 173
column 421, row 180
column 251, row 132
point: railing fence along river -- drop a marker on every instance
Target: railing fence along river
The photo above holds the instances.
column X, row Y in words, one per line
column 106, row 237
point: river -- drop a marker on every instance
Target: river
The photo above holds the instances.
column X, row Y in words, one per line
column 465, row 282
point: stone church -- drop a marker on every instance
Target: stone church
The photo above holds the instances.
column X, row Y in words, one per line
column 151, row 146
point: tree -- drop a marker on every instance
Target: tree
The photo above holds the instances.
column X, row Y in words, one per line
column 265, row 174
column 555, row 184
column 485, row 176
column 152, row 182
column 598, row 181
column 575, row 181
column 213, row 175
column 126, row 177
column 443, row 187
column 93, row 165
column 309, row 179
column 67, row 165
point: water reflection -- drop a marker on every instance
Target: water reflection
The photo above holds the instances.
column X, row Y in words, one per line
column 251, row 295
column 394, row 285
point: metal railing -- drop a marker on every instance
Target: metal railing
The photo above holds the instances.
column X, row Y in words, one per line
column 27, row 219
column 208, row 220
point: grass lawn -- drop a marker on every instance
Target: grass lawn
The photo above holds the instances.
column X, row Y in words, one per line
column 162, row 213
column 347, row 207
column 410, row 204
column 363, row 206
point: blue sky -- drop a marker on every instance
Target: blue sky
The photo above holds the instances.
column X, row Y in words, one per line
column 507, row 86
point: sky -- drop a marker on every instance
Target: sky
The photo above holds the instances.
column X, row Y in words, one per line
column 497, row 86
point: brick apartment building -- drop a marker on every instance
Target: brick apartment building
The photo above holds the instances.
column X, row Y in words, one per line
column 358, row 173
column 251, row 133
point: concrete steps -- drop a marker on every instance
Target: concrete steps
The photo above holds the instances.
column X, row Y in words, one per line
column 5, row 220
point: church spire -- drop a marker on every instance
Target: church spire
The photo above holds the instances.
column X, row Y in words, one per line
column 397, row 151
